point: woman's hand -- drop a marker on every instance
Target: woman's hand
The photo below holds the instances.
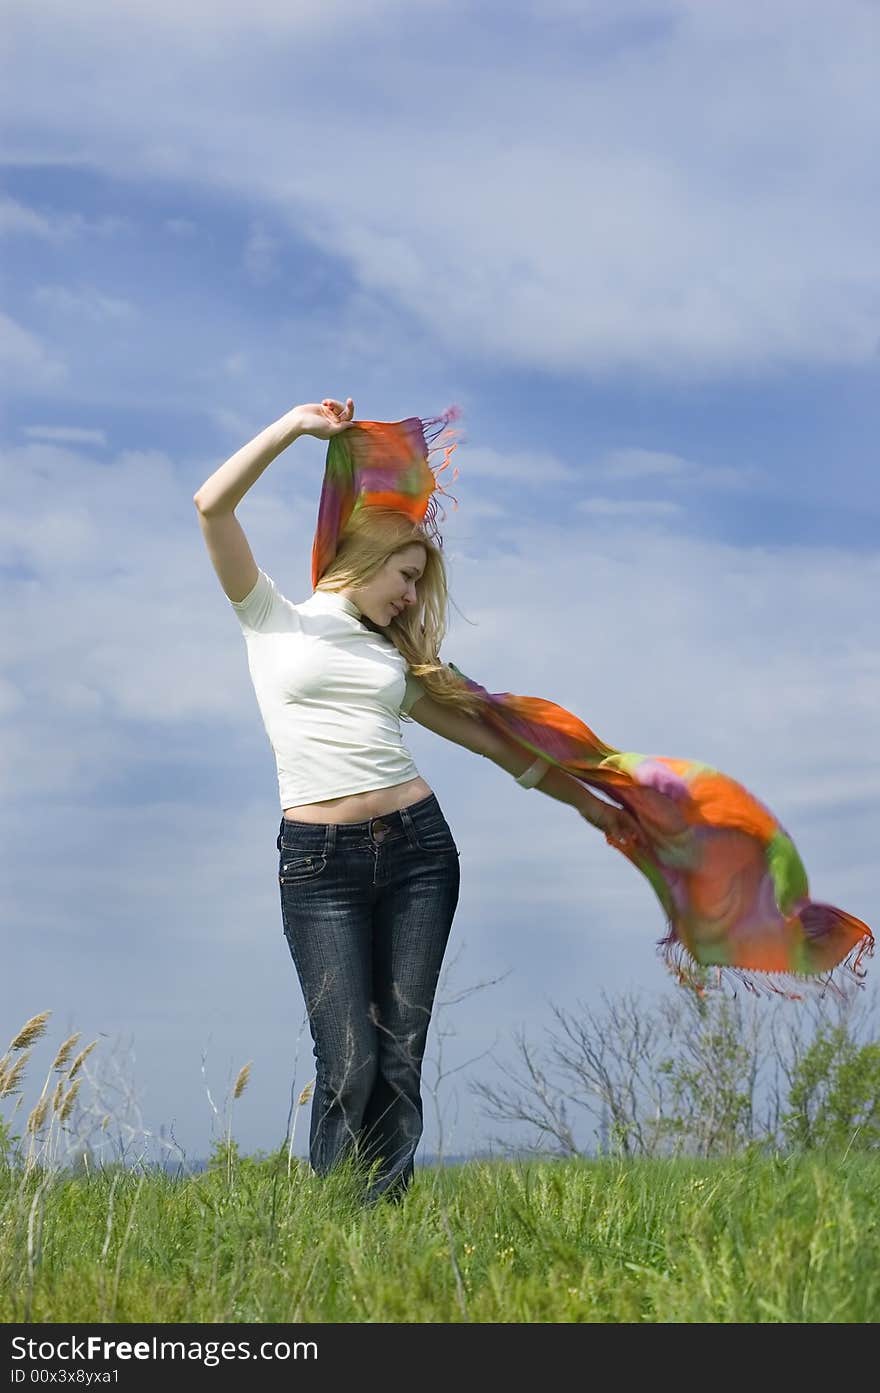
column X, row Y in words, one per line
column 620, row 827
column 324, row 419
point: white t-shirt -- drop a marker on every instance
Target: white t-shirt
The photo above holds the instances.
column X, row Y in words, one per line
column 330, row 691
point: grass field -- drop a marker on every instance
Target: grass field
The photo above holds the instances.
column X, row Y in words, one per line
column 749, row 1240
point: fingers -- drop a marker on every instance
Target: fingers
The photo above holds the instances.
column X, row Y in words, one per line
column 626, row 835
column 625, row 843
column 620, row 839
column 620, row 829
column 339, row 411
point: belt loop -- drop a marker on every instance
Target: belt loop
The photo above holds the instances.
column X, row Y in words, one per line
column 408, row 827
column 330, row 839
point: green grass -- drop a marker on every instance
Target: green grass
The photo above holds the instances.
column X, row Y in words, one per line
column 749, row 1240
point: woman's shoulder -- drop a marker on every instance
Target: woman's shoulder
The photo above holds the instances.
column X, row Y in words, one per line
column 261, row 610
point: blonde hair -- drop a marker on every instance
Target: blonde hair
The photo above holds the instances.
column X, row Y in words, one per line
column 369, row 538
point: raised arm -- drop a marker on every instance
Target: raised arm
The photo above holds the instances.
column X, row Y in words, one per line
column 483, row 739
column 219, row 496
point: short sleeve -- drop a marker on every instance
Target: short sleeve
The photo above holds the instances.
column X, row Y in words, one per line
column 414, row 690
column 255, row 609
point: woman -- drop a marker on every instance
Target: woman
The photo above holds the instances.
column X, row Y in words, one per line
column 369, row 869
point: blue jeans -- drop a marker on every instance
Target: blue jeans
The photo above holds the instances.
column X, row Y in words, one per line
column 367, row 908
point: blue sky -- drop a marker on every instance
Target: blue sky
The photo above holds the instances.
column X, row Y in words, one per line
column 636, row 242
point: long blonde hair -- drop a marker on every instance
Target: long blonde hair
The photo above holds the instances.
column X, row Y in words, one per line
column 368, row 539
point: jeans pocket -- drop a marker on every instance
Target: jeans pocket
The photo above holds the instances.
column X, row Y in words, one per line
column 297, row 866
column 435, row 837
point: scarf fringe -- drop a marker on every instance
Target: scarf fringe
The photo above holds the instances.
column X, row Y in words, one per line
column 843, row 982
column 434, row 428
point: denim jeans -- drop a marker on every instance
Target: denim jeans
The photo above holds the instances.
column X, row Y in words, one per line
column 367, row 909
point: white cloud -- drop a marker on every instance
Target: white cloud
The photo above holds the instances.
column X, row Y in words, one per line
column 691, row 201
column 66, row 435
column 628, row 507
column 235, row 364
column 53, row 540
column 605, row 15
column 87, row 302
column 25, row 361
column 626, row 464
column 180, row 227
column 646, row 464
column 261, row 255
column 11, row 697
column 18, row 219
column 234, row 424
column 524, row 468
column 206, row 23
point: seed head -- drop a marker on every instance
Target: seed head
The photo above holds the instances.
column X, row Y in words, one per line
column 12, row 1076
column 77, row 1063
column 65, row 1051
column 38, row 1116
column 30, row 1031
column 241, row 1082
column 69, row 1101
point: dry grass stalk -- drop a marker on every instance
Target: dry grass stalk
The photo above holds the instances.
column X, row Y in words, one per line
column 300, row 1102
column 30, row 1032
column 37, row 1116
column 69, row 1101
column 77, row 1063
column 58, row 1095
column 65, row 1051
column 12, row 1075
column 241, row 1082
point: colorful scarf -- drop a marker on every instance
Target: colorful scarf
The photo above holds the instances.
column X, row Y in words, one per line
column 726, row 872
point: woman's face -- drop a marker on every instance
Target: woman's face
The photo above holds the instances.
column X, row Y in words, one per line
column 393, row 588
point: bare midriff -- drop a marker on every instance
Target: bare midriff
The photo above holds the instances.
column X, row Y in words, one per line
column 360, row 807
